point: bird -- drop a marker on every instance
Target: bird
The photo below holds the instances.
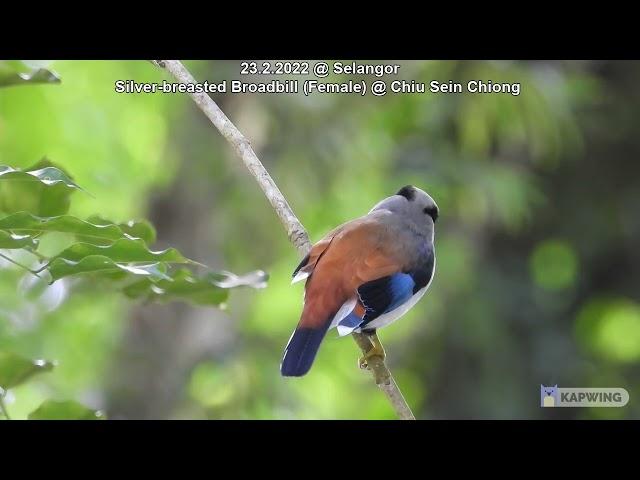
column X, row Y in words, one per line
column 364, row 275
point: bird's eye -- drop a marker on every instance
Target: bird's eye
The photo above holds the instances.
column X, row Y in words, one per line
column 432, row 212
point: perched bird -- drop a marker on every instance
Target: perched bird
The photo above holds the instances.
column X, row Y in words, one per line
column 364, row 274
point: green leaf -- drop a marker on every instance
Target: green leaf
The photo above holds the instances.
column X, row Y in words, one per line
column 182, row 286
column 43, row 191
column 15, row 369
column 27, row 224
column 11, row 241
column 51, row 175
column 124, row 250
column 134, row 228
column 11, row 75
column 65, row 410
column 100, row 265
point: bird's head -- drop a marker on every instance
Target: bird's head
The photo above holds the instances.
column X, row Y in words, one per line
column 413, row 204
column 418, row 203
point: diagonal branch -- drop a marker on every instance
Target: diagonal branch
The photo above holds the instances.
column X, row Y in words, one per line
column 295, row 231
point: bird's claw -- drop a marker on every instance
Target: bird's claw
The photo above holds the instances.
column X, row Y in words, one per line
column 375, row 351
column 362, row 363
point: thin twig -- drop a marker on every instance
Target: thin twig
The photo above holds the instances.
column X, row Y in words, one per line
column 295, row 231
column 384, row 379
column 3, row 407
column 11, row 260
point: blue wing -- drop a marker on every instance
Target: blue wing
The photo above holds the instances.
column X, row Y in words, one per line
column 385, row 294
column 388, row 293
column 378, row 297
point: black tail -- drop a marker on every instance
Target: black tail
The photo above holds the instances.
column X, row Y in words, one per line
column 301, row 350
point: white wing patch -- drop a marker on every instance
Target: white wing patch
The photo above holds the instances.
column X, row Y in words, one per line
column 343, row 330
column 345, row 310
column 301, row 275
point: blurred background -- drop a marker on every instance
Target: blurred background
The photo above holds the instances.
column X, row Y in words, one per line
column 537, row 242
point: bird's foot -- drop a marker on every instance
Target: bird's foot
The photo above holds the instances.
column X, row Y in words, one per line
column 377, row 350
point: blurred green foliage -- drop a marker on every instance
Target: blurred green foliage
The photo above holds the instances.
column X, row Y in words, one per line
column 554, row 265
column 35, row 201
column 536, row 278
column 15, row 72
column 64, row 410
